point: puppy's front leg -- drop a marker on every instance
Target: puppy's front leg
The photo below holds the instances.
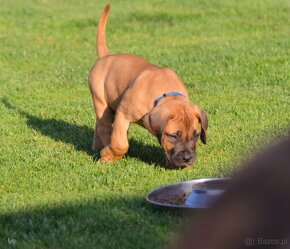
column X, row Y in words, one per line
column 119, row 140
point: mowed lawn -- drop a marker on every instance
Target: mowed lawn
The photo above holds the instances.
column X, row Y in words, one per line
column 234, row 58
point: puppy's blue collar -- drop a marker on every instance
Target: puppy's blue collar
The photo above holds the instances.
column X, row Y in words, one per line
column 167, row 95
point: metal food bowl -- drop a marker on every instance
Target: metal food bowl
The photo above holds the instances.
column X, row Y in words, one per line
column 193, row 194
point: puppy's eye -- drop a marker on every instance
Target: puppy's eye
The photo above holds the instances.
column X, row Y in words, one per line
column 172, row 137
column 195, row 135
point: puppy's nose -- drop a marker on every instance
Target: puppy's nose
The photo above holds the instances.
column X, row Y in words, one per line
column 186, row 157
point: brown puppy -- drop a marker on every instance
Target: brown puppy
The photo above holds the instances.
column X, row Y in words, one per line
column 128, row 89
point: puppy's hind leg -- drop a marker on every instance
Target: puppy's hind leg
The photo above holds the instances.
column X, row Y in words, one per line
column 119, row 141
column 97, row 142
column 103, row 130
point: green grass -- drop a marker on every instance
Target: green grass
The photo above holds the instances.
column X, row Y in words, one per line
column 233, row 56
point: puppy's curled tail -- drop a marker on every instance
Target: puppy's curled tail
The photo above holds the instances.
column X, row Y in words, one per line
column 101, row 40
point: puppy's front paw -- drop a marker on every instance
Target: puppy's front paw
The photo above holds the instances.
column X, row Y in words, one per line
column 108, row 155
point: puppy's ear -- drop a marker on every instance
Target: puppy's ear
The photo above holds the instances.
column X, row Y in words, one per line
column 154, row 121
column 203, row 121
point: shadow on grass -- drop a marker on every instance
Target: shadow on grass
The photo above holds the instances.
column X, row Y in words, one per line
column 106, row 223
column 81, row 137
column 147, row 153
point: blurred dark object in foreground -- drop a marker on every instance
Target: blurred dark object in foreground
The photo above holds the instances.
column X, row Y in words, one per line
column 253, row 213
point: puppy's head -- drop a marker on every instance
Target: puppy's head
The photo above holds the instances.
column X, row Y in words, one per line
column 178, row 125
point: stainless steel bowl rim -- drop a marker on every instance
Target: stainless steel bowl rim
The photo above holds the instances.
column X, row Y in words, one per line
column 202, row 180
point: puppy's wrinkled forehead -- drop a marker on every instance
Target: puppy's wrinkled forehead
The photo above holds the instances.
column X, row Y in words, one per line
column 184, row 121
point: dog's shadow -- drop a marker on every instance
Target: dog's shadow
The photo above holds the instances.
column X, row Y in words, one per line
column 81, row 137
